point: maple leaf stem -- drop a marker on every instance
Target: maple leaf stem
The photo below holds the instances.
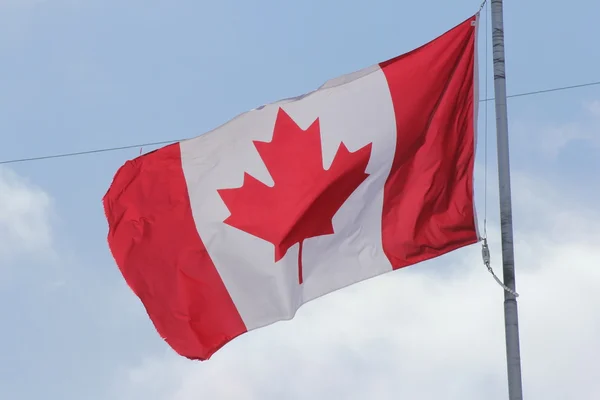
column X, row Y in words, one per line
column 300, row 262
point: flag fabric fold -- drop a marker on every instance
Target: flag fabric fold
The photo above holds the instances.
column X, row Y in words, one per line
column 235, row 229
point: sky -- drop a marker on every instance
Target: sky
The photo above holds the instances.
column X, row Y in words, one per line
column 80, row 75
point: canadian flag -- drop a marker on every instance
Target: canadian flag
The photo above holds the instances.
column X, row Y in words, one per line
column 237, row 228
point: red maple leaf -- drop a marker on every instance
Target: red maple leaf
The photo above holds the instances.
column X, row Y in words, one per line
column 305, row 197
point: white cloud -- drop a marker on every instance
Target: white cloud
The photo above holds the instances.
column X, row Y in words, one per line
column 25, row 212
column 551, row 137
column 593, row 108
column 416, row 334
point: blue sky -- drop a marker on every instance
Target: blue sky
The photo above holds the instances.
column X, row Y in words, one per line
column 80, row 75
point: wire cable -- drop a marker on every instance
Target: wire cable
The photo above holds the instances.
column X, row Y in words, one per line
column 108, row 149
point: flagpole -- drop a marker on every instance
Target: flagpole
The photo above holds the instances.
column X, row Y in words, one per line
column 511, row 319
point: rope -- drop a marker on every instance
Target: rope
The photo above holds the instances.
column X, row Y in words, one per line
column 485, row 252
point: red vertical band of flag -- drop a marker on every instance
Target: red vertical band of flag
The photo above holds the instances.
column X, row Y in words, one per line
column 163, row 258
column 433, row 91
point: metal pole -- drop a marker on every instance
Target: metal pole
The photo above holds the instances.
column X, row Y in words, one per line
column 511, row 319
